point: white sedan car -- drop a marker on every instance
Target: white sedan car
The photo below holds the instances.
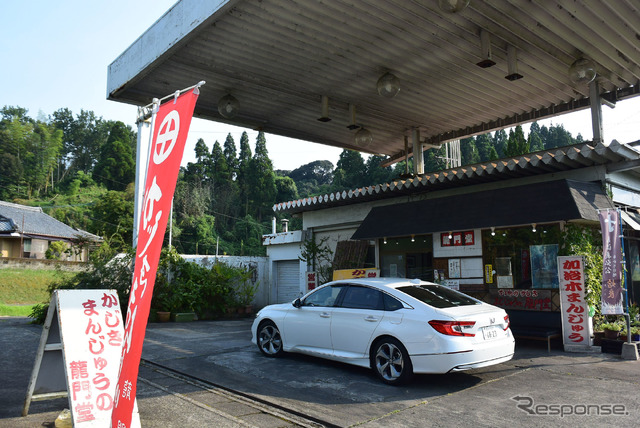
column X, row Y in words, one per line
column 395, row 326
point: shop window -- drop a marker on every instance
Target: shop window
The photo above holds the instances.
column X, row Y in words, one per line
column 521, row 258
column 407, row 257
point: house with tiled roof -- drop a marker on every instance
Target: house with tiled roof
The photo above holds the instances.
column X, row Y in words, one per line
column 27, row 232
column 481, row 228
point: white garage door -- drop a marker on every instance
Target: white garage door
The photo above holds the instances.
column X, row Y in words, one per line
column 287, row 280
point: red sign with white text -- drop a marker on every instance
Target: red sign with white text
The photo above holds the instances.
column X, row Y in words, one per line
column 171, row 126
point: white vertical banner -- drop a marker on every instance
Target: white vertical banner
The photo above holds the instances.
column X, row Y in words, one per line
column 573, row 302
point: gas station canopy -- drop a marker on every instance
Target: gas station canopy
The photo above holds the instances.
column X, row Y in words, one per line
column 325, row 71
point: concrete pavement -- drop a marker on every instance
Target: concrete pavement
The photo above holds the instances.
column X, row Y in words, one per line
column 535, row 388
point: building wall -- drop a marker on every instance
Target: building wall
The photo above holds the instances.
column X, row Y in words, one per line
column 10, row 247
column 283, row 247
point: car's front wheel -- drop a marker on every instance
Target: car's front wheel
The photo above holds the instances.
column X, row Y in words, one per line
column 269, row 339
column 390, row 360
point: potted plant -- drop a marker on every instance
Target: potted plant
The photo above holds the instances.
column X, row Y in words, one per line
column 611, row 330
column 635, row 334
column 598, row 332
column 245, row 293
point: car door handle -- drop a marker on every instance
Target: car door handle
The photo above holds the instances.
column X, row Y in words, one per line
column 371, row 318
column 325, row 314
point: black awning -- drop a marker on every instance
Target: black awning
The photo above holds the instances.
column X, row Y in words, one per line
column 513, row 206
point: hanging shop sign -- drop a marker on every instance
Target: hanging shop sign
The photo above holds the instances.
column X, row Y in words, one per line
column 573, row 304
column 312, row 280
column 612, row 292
column 355, row 273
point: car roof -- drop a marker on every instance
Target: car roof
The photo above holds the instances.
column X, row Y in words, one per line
column 391, row 283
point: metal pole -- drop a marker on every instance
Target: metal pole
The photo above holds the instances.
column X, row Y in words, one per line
column 596, row 112
column 626, row 315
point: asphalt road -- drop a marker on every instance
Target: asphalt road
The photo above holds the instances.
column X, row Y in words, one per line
column 535, row 388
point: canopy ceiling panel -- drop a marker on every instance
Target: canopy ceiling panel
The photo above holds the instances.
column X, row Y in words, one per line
column 279, row 57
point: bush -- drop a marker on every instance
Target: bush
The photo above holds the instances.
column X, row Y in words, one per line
column 107, row 272
column 207, row 290
column 180, row 286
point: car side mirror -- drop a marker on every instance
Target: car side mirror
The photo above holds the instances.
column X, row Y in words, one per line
column 297, row 303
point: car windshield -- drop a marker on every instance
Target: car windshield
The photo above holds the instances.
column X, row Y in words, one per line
column 438, row 296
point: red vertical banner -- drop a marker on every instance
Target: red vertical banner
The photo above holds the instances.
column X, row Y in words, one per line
column 573, row 302
column 171, row 127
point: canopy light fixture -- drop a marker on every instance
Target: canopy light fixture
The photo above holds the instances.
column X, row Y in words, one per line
column 512, row 64
column 324, row 108
column 384, row 240
column 413, row 238
column 453, row 6
column 485, row 46
column 533, row 228
column 450, row 235
column 363, row 138
column 493, row 231
column 228, row 106
column 388, row 85
column 582, row 70
column 352, row 116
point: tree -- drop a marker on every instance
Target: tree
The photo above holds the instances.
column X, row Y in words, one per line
column 351, row 165
column 112, row 217
column 219, row 168
column 116, row 165
column 244, row 165
column 374, row 172
column 517, row 145
column 500, row 142
column 286, row 189
column 534, row 139
column 262, row 186
column 486, row 150
column 230, row 156
column 469, row 151
column 82, row 138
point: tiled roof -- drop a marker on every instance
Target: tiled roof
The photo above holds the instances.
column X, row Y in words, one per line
column 538, row 163
column 33, row 221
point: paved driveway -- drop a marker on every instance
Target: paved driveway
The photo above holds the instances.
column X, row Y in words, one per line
column 343, row 395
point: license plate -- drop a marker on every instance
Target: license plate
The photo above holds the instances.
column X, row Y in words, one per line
column 490, row 333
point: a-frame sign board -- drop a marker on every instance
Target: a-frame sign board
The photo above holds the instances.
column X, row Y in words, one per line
column 79, row 356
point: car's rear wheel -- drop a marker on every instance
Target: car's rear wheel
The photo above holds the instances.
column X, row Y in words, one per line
column 390, row 360
column 269, row 339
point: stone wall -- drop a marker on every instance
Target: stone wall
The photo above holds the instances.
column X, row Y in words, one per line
column 16, row 263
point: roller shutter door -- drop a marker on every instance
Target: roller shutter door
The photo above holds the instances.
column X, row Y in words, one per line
column 287, row 280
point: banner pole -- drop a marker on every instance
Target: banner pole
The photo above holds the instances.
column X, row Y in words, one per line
column 627, row 317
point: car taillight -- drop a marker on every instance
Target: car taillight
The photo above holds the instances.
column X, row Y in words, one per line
column 506, row 320
column 453, row 328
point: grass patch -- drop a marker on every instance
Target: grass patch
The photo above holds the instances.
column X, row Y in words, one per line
column 27, row 287
column 15, row 311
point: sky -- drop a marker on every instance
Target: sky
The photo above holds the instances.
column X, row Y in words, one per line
column 55, row 55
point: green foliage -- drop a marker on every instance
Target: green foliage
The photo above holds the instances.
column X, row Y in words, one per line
column 320, row 257
column 586, row 241
column 611, row 326
column 112, row 217
column 286, row 189
column 207, row 290
column 56, row 250
column 115, row 167
column 261, row 179
column 105, row 272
